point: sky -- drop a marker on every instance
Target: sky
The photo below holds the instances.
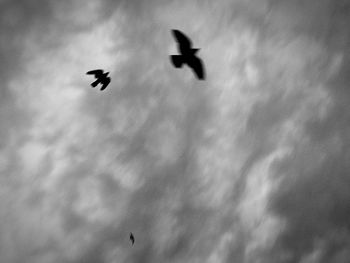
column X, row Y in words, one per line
column 249, row 166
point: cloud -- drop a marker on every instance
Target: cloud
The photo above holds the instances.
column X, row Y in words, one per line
column 312, row 195
column 248, row 166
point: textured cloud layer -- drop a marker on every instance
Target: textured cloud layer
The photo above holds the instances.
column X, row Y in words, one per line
column 249, row 166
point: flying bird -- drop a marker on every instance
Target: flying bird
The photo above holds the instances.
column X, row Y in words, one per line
column 100, row 78
column 132, row 238
column 188, row 55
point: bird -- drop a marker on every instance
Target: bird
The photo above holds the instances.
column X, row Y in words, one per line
column 132, row 238
column 100, row 78
column 187, row 55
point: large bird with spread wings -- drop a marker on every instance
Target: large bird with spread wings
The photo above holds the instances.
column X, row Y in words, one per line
column 100, row 78
column 188, row 55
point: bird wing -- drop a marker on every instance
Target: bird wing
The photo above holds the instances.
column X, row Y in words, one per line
column 97, row 72
column 197, row 66
column 182, row 39
column 105, row 82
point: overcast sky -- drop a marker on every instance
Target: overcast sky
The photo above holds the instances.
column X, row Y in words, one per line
column 251, row 165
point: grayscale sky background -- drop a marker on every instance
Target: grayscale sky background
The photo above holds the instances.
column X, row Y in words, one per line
column 250, row 166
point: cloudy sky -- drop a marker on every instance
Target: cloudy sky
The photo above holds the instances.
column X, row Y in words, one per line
column 250, row 166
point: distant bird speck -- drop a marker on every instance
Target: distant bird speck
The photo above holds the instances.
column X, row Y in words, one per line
column 132, row 238
column 100, row 78
column 188, row 55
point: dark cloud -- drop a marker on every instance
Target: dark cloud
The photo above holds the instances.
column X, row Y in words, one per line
column 17, row 19
column 313, row 197
column 182, row 165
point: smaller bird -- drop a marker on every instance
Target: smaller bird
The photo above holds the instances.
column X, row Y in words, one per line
column 100, row 78
column 132, row 238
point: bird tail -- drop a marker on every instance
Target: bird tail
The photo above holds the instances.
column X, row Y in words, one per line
column 177, row 60
column 94, row 84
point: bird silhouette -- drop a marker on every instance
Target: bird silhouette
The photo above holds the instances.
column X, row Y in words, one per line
column 188, row 55
column 132, row 238
column 100, row 78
